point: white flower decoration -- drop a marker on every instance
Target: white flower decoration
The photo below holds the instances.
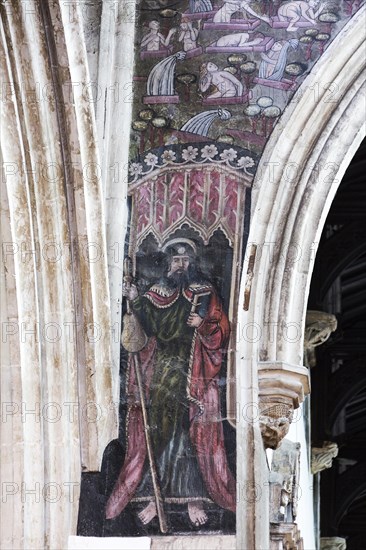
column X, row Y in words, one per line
column 135, row 169
column 190, row 153
column 209, row 152
column 245, row 162
column 229, row 154
column 168, row 156
column 151, row 160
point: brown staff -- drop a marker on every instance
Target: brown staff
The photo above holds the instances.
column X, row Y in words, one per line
column 134, row 340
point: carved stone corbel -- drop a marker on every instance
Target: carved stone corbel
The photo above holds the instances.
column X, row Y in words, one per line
column 282, row 387
column 318, row 328
column 322, row 457
column 333, row 543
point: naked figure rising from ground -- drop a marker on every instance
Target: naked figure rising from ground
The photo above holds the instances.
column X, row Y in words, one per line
column 187, row 337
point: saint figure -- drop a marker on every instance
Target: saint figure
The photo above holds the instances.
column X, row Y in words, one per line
column 188, row 334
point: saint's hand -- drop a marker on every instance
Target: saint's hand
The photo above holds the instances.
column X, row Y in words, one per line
column 194, row 320
column 129, row 291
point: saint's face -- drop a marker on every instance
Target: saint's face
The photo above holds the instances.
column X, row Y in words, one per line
column 178, row 264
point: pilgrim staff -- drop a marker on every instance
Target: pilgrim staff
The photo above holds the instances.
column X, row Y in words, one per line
column 134, row 340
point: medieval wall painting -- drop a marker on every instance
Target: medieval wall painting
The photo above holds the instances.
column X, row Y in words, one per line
column 211, row 80
column 245, row 57
column 188, row 206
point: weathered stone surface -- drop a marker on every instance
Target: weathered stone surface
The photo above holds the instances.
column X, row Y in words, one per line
column 318, row 328
column 281, row 390
column 286, row 536
column 322, row 457
column 284, row 482
column 54, row 216
column 333, row 543
column 274, row 423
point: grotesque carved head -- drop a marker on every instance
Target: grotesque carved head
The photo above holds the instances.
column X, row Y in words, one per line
column 274, row 423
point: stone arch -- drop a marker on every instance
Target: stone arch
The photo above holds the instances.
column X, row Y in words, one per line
column 297, row 178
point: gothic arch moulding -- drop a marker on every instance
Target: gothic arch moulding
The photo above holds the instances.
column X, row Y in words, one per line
column 297, row 178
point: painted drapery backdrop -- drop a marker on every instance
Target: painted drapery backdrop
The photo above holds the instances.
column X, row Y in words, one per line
column 211, row 79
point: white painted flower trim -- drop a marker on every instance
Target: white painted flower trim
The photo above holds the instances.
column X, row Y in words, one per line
column 208, row 153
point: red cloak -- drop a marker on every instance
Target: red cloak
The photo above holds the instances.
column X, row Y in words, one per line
column 206, row 430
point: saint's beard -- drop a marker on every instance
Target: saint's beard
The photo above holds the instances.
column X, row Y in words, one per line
column 179, row 279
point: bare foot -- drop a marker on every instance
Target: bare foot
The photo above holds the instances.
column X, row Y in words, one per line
column 196, row 513
column 148, row 513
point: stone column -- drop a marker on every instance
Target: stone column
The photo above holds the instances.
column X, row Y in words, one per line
column 114, row 118
column 58, row 300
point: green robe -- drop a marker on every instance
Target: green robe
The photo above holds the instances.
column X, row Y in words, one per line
column 168, row 407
